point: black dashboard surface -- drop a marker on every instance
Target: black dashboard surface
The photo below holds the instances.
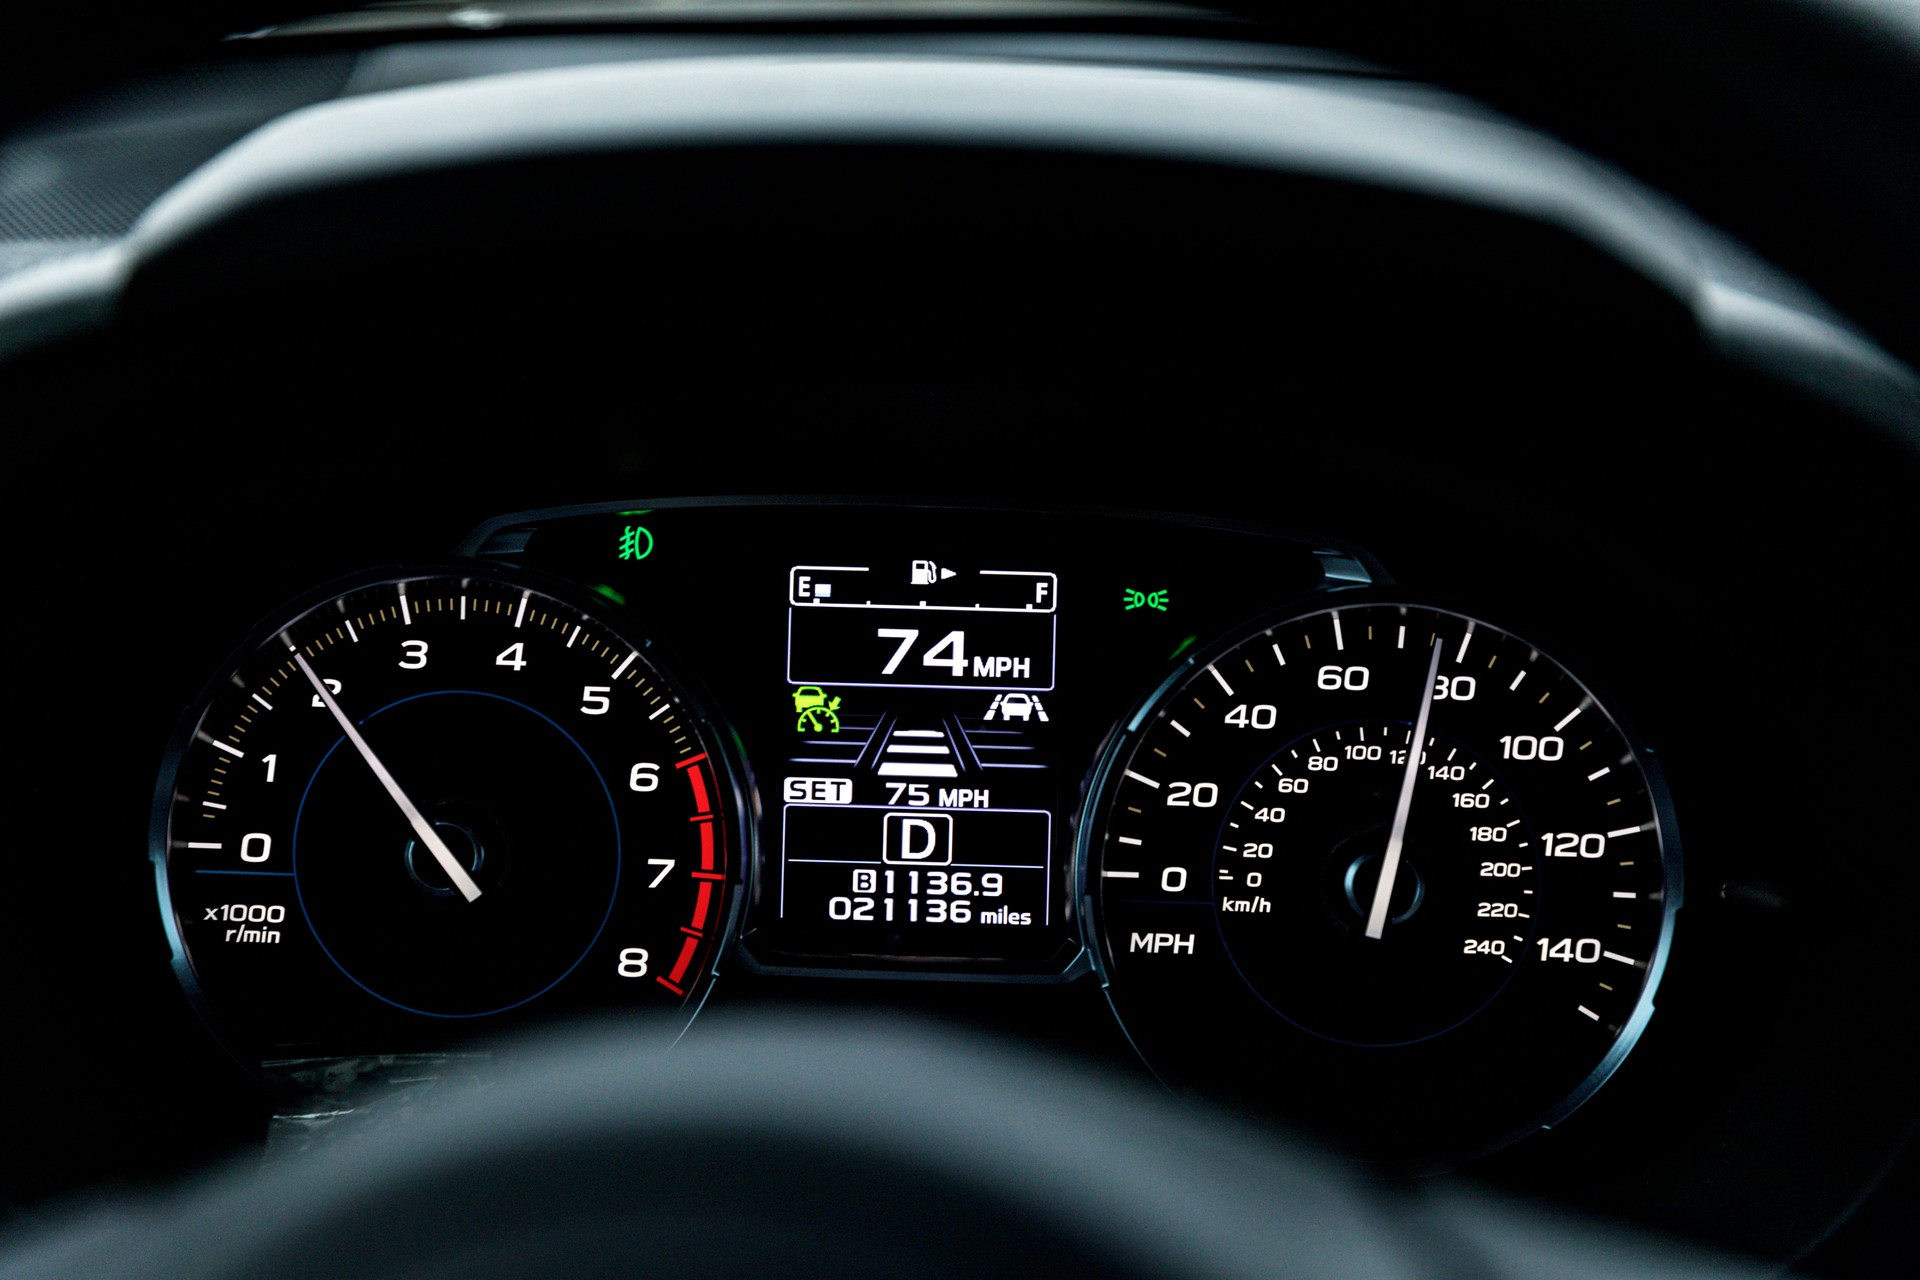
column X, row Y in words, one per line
column 1502, row 412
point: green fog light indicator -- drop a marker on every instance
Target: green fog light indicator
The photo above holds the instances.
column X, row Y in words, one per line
column 636, row 543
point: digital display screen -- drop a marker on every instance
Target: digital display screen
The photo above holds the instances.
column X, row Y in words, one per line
column 917, row 800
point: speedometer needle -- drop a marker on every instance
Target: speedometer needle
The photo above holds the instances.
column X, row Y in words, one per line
column 1390, row 865
column 421, row 827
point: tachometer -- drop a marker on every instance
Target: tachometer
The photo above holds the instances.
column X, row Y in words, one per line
column 1388, row 869
column 419, row 803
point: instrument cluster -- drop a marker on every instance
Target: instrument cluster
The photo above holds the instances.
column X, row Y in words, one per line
column 1334, row 850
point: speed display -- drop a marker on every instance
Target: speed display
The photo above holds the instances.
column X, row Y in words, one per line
column 1395, row 847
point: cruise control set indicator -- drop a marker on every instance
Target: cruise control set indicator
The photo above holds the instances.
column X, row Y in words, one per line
column 916, row 814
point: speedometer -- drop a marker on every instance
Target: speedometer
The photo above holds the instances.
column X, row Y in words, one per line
column 1386, row 868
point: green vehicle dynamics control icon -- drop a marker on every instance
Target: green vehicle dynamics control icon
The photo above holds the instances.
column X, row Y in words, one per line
column 815, row 712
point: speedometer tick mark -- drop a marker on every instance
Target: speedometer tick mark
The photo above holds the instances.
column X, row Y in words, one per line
column 1180, row 728
column 1278, row 656
column 1339, row 640
column 1601, row 772
column 263, row 702
column 1590, row 1013
column 1218, row 679
column 1465, row 640
column 1141, row 777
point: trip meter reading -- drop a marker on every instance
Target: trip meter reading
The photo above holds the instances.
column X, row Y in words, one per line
column 420, row 803
column 1386, row 867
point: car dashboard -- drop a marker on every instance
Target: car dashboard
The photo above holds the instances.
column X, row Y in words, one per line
column 927, row 427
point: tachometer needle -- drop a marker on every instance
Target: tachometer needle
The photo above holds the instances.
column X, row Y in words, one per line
column 421, row 827
column 1390, row 865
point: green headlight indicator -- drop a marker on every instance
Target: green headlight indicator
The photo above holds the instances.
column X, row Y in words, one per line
column 1155, row 600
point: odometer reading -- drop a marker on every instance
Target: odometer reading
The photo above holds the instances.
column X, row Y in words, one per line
column 1375, row 856
column 431, row 800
